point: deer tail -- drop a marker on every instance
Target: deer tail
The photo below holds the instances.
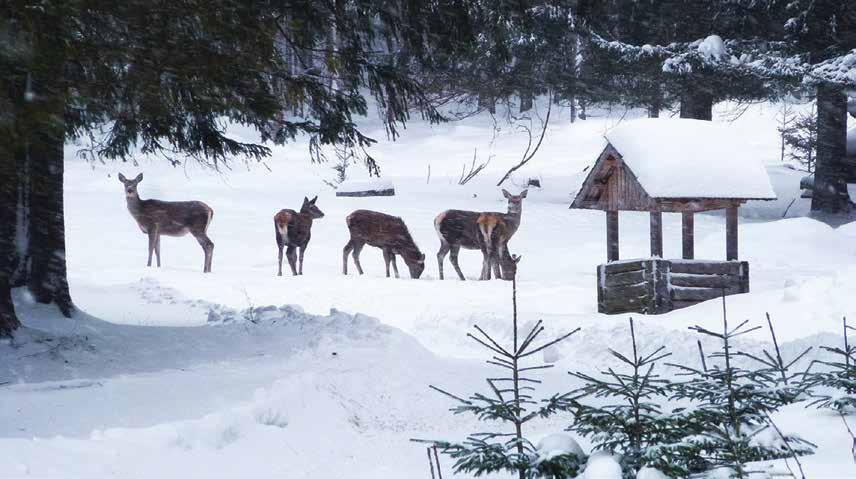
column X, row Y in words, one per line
column 486, row 226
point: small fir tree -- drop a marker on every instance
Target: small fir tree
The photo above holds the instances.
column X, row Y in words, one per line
column 840, row 377
column 632, row 423
column 728, row 424
column 800, row 137
column 508, row 400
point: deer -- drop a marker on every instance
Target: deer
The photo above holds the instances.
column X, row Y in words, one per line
column 294, row 230
column 460, row 229
column 171, row 218
column 494, row 233
column 390, row 234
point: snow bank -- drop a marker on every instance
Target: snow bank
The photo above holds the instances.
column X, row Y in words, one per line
column 360, row 186
column 681, row 158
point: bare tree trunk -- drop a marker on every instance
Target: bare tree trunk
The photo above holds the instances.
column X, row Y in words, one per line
column 8, row 195
column 697, row 104
column 830, row 185
column 526, row 101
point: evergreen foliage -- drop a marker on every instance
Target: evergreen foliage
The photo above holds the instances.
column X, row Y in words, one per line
column 840, row 377
column 632, row 424
column 728, row 422
column 800, row 138
column 509, row 400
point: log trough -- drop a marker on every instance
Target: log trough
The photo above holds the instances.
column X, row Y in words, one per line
column 671, row 166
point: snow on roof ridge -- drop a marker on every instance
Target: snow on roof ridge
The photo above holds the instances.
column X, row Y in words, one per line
column 685, row 158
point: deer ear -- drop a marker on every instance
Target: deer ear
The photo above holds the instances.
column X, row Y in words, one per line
column 314, row 199
column 305, row 200
column 139, row 178
column 122, row 178
column 523, row 194
column 506, row 194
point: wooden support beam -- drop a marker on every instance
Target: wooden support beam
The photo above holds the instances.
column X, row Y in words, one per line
column 688, row 235
column 612, row 236
column 731, row 233
column 656, row 234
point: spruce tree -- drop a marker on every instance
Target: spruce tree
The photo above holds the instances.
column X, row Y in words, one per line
column 728, row 422
column 631, row 423
column 510, row 401
column 839, row 376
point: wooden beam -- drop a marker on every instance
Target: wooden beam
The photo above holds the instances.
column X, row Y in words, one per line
column 611, row 236
column 731, row 233
column 656, row 234
column 688, row 235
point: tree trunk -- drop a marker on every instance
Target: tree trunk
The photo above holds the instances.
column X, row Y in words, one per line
column 830, row 186
column 8, row 205
column 526, row 101
column 697, row 104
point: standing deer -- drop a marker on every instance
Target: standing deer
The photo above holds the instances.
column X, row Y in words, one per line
column 294, row 230
column 390, row 234
column 494, row 233
column 460, row 229
column 170, row 218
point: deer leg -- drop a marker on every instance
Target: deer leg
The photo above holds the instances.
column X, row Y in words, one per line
column 394, row 266
column 279, row 271
column 152, row 239
column 208, row 249
column 302, row 250
column 485, row 272
column 358, row 247
column 157, row 249
column 290, row 253
column 345, row 252
column 441, row 256
column 387, row 257
column 454, row 258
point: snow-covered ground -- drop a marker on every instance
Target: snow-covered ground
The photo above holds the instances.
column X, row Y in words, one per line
column 164, row 374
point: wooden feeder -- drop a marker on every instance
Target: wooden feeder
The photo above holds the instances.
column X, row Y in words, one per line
column 671, row 166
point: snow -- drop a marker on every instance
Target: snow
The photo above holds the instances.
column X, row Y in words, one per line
column 601, row 465
column 323, row 374
column 681, row 158
column 650, row 473
column 558, row 444
column 851, row 142
column 375, row 184
column 841, row 70
column 712, row 47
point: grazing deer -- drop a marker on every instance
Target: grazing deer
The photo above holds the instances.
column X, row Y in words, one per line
column 294, row 230
column 390, row 234
column 459, row 229
column 170, row 218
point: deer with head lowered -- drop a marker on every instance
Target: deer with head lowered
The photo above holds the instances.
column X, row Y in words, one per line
column 293, row 230
column 485, row 231
column 390, row 234
column 171, row 218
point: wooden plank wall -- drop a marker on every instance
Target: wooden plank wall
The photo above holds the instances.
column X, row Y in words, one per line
column 655, row 286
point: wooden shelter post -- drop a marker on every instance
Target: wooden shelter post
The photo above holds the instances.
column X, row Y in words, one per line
column 731, row 233
column 688, row 235
column 612, row 235
column 656, row 234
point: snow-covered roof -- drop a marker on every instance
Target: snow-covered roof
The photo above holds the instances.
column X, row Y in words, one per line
column 682, row 158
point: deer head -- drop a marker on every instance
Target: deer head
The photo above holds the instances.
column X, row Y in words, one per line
column 310, row 209
column 131, row 185
column 415, row 262
column 515, row 202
